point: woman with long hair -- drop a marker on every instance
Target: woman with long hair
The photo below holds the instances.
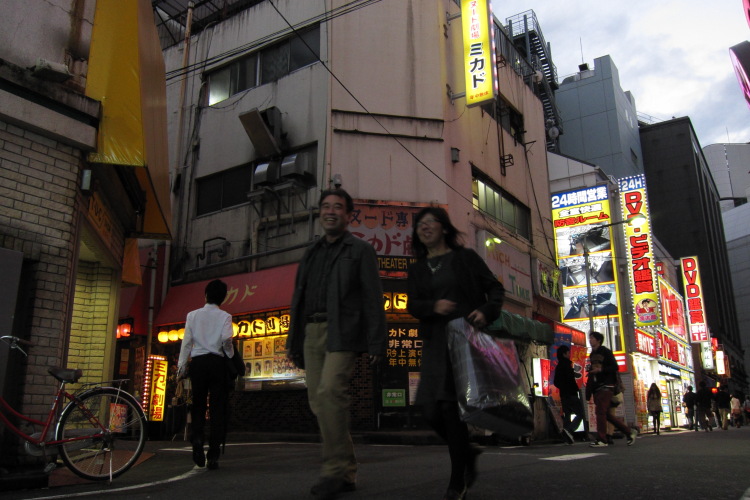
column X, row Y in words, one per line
column 653, row 402
column 448, row 281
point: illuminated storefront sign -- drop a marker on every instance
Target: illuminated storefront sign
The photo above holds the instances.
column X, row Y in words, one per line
column 693, row 288
column 547, row 281
column 720, row 363
column 707, row 355
column 671, row 349
column 541, row 368
column 388, row 228
column 155, row 387
column 575, row 217
column 645, row 343
column 479, row 51
column 672, row 310
column 643, row 287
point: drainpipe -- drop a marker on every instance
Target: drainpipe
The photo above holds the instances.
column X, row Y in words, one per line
column 152, row 289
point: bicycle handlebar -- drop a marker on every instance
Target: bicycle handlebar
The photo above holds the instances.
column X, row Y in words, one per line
column 15, row 340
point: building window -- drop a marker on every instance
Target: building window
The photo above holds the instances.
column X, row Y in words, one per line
column 501, row 206
column 264, row 66
column 223, row 190
column 508, row 118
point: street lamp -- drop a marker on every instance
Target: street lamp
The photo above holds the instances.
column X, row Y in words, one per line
column 636, row 221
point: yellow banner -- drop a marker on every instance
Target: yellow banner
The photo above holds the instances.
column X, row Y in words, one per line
column 642, row 268
column 479, row 52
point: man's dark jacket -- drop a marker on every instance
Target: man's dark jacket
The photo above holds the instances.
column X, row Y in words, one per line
column 565, row 378
column 354, row 301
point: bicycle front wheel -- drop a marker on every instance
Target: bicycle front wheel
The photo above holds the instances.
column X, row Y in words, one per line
column 107, row 432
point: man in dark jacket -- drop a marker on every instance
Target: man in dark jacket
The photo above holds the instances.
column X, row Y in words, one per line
column 337, row 313
column 570, row 394
column 601, row 384
column 703, row 401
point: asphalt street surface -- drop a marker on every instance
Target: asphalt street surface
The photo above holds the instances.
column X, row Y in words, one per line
column 677, row 464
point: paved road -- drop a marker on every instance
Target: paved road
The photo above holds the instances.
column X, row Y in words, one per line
column 684, row 465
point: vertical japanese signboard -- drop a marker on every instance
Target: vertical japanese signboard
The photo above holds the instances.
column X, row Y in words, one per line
column 576, row 216
column 158, row 390
column 691, row 279
column 479, row 51
column 641, row 264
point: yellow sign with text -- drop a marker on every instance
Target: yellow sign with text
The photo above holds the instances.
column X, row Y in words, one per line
column 479, row 52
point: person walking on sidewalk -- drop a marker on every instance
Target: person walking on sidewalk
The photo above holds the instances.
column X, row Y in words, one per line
column 601, row 384
column 703, row 400
column 207, row 340
column 689, row 401
column 448, row 282
column 724, row 406
column 570, row 393
column 653, row 403
column 336, row 314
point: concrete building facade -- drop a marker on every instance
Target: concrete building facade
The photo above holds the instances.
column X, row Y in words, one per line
column 269, row 107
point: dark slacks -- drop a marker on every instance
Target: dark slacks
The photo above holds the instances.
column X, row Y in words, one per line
column 209, row 381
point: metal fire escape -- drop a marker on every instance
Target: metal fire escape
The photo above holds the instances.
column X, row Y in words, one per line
column 523, row 29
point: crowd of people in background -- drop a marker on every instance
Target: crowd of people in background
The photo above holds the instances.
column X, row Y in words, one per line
column 707, row 409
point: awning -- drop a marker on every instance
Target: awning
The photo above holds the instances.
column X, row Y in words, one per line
column 249, row 292
column 126, row 74
column 515, row 325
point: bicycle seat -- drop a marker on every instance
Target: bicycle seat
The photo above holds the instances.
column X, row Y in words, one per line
column 66, row 374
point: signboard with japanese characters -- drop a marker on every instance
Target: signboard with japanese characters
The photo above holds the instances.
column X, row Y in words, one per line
column 672, row 310
column 158, row 390
column 388, row 228
column 479, row 52
column 576, row 217
column 641, row 264
column 693, row 288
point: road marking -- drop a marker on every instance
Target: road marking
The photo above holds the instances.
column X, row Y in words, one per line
column 192, row 472
column 579, row 456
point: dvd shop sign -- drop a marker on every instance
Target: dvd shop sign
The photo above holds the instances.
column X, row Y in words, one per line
column 694, row 299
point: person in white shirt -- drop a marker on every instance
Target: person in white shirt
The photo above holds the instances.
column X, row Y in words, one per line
column 207, row 340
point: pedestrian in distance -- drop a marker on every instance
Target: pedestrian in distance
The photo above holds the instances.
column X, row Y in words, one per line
column 601, row 384
column 336, row 315
column 689, row 401
column 653, row 404
column 703, row 400
column 736, row 410
column 570, row 393
column 723, row 405
column 447, row 281
column 207, row 340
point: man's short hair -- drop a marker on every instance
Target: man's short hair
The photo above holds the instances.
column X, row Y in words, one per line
column 690, row 388
column 341, row 194
column 598, row 336
column 563, row 349
column 216, row 292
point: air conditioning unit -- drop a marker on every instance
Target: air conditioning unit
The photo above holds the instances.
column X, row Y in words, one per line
column 266, row 174
column 299, row 166
column 264, row 130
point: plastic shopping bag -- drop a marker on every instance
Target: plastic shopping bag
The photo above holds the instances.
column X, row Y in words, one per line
column 489, row 381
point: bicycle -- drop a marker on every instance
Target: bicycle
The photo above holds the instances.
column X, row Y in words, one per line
column 100, row 431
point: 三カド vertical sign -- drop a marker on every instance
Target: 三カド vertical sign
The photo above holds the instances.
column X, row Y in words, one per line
column 479, row 52
column 641, row 265
column 691, row 279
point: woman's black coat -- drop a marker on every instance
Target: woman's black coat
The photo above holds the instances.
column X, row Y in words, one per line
column 478, row 289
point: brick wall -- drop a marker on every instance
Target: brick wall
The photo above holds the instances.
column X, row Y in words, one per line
column 89, row 327
column 38, row 179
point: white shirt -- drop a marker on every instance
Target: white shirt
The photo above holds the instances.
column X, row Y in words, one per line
column 208, row 330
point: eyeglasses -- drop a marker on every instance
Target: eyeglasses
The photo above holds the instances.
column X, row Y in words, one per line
column 427, row 222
